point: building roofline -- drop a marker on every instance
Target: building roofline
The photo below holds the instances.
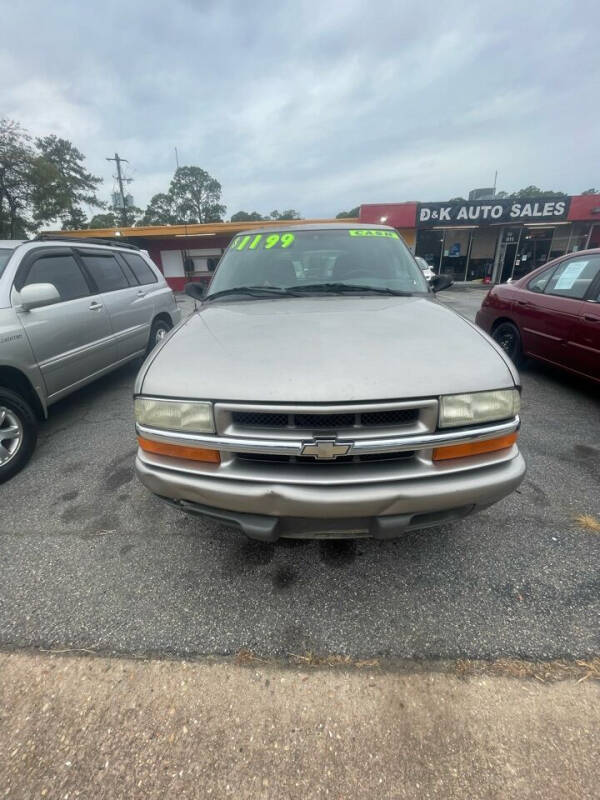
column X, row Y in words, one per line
column 190, row 230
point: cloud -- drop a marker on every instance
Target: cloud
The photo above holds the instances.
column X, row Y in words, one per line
column 317, row 106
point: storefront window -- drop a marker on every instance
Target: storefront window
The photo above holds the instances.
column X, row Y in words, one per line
column 483, row 249
column 579, row 236
column 456, row 251
column 560, row 241
column 594, row 240
column 429, row 247
column 534, row 250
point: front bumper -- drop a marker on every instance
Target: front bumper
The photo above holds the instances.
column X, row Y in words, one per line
column 270, row 510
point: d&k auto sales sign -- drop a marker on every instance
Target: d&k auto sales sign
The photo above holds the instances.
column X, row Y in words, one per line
column 492, row 211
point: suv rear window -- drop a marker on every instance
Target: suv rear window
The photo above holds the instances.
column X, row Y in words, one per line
column 106, row 271
column 140, row 269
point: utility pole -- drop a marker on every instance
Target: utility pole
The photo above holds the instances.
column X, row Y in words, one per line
column 118, row 161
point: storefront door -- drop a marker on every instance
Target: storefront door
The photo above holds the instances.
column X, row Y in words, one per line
column 505, row 256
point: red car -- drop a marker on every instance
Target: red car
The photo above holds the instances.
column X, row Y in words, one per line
column 552, row 314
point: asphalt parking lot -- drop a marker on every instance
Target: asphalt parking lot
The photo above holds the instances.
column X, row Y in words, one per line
column 88, row 559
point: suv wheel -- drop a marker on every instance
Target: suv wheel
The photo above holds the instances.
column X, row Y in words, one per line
column 159, row 330
column 507, row 336
column 18, row 433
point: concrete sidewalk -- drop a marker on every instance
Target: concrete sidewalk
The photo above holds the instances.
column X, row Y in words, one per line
column 100, row 728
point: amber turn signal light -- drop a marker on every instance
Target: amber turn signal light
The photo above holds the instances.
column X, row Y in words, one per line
column 180, row 451
column 474, row 448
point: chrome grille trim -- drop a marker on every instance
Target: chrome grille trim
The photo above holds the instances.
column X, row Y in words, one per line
column 293, row 447
column 226, row 413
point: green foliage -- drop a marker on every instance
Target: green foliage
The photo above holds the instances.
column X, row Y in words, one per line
column 106, row 220
column 41, row 182
column 535, row 191
column 193, row 196
column 354, row 212
column 61, row 183
column 457, row 200
column 16, row 163
column 196, row 195
column 244, row 216
column 591, row 191
column 160, row 210
column 289, row 213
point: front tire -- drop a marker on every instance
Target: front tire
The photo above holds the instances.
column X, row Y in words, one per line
column 507, row 335
column 158, row 331
column 18, row 433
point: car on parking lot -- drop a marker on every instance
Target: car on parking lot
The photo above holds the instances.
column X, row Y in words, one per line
column 552, row 314
column 70, row 311
column 353, row 404
column 425, row 268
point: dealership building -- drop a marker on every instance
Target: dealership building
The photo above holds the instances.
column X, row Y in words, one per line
column 488, row 238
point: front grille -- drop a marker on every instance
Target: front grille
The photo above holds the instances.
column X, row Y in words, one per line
column 250, row 419
column 366, row 419
column 399, row 416
column 323, row 420
column 268, row 458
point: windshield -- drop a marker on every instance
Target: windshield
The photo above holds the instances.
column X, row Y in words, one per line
column 5, row 254
column 376, row 259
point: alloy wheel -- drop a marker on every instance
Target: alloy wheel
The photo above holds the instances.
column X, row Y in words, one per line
column 11, row 435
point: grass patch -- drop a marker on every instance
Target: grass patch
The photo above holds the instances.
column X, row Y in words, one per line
column 544, row 671
column 248, row 658
column 588, row 522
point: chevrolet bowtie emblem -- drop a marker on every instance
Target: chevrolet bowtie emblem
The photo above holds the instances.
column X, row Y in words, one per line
column 326, row 448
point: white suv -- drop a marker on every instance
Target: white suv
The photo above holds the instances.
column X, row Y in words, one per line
column 70, row 311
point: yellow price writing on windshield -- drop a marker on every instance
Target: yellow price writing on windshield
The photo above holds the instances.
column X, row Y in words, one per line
column 263, row 241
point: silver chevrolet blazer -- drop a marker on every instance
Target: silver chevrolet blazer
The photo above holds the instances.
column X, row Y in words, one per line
column 71, row 310
column 321, row 390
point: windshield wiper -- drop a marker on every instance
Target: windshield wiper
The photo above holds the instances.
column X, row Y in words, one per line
column 253, row 291
column 338, row 288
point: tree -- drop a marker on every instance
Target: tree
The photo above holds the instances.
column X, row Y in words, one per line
column 591, row 191
column 354, row 212
column 244, row 216
column 127, row 217
column 457, row 200
column 535, row 191
column 160, row 210
column 16, row 162
column 289, row 213
column 61, row 183
column 107, row 220
column 196, row 196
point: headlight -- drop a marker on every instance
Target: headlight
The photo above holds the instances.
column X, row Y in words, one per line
column 174, row 415
column 470, row 409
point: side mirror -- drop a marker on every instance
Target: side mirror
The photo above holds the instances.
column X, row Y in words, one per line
column 441, row 282
column 195, row 290
column 36, row 295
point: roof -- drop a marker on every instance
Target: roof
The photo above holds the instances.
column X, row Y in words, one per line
column 168, row 231
column 328, row 224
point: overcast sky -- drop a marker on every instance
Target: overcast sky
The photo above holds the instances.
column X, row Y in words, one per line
column 316, row 105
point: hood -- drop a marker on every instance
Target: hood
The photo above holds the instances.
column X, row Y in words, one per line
column 324, row 349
